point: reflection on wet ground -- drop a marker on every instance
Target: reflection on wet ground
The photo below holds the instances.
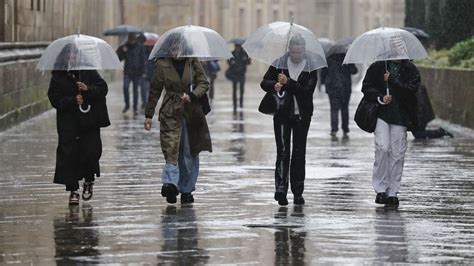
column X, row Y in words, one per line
column 235, row 219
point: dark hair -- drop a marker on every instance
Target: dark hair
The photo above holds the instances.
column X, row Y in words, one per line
column 62, row 58
column 175, row 38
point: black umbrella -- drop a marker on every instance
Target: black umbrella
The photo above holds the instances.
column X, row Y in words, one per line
column 341, row 46
column 238, row 41
column 419, row 33
column 122, row 30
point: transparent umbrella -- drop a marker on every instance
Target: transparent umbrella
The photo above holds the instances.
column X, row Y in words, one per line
column 78, row 52
column 384, row 44
column 270, row 42
column 326, row 44
column 191, row 41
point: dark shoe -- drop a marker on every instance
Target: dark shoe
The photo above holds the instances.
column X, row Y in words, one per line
column 392, row 202
column 125, row 109
column 446, row 133
column 281, row 198
column 74, row 198
column 381, row 198
column 298, row 200
column 187, row 198
column 345, row 136
column 169, row 191
column 87, row 190
column 333, row 133
column 135, row 112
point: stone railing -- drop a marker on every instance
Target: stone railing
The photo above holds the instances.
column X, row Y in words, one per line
column 451, row 92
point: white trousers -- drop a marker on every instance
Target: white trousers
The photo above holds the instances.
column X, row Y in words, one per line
column 390, row 148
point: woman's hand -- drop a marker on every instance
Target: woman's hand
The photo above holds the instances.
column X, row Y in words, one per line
column 185, row 98
column 387, row 99
column 386, row 75
column 147, row 123
column 277, row 86
column 282, row 79
column 82, row 86
column 79, row 99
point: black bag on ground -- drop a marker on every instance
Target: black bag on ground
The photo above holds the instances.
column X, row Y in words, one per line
column 366, row 115
column 272, row 104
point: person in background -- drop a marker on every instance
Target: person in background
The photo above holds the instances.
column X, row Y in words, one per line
column 397, row 113
column 236, row 73
column 211, row 68
column 133, row 53
column 337, row 79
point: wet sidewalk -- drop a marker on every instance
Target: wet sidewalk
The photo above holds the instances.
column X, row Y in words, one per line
column 235, row 219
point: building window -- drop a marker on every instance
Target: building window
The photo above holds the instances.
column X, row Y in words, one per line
column 275, row 14
column 259, row 17
column 242, row 21
column 38, row 5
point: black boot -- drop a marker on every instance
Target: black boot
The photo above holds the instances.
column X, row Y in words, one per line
column 187, row 198
column 281, row 198
column 298, row 200
column 381, row 198
column 169, row 191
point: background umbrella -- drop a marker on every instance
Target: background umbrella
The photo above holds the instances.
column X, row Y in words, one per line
column 78, row 52
column 122, row 30
column 150, row 38
column 191, row 41
column 238, row 41
column 340, row 47
column 326, row 44
column 419, row 33
column 384, row 44
column 270, row 42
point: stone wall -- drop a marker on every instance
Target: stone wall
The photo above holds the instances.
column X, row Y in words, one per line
column 452, row 94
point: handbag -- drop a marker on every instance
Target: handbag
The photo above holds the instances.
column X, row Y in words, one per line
column 274, row 103
column 366, row 115
column 204, row 101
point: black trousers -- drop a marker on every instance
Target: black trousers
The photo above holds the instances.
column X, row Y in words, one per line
column 336, row 103
column 241, row 81
column 290, row 164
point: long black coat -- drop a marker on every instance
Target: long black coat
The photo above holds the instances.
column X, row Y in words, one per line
column 134, row 58
column 302, row 89
column 337, row 77
column 79, row 147
column 403, row 87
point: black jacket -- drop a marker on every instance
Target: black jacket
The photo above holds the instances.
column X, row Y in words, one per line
column 337, row 77
column 302, row 89
column 134, row 58
column 403, row 87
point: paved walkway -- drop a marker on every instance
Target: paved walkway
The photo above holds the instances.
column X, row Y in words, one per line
column 235, row 219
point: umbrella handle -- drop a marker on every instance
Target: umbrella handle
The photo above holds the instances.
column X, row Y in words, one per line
column 85, row 110
column 282, row 94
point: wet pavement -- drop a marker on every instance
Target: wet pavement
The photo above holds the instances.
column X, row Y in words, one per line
column 235, row 219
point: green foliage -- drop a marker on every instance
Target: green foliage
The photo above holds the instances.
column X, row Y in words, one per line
column 462, row 51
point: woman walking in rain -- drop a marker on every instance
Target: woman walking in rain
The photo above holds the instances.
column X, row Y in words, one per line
column 298, row 84
column 183, row 127
column 80, row 147
column 397, row 114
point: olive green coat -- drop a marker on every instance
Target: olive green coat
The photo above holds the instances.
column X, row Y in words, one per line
column 173, row 110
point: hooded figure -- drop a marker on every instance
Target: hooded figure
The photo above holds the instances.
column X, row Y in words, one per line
column 183, row 127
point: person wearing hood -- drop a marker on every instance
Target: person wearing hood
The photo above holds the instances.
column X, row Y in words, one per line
column 133, row 53
column 297, row 84
column 397, row 113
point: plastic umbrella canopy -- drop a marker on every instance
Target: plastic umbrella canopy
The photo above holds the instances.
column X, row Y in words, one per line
column 191, row 41
column 122, row 30
column 238, row 41
column 384, row 44
column 270, row 43
column 419, row 33
column 78, row 52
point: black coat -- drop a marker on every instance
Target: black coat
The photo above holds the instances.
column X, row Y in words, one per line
column 403, row 87
column 425, row 110
column 79, row 147
column 337, row 77
column 302, row 89
column 134, row 58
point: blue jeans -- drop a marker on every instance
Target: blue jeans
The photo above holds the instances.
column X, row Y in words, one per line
column 184, row 174
column 126, row 95
column 144, row 87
